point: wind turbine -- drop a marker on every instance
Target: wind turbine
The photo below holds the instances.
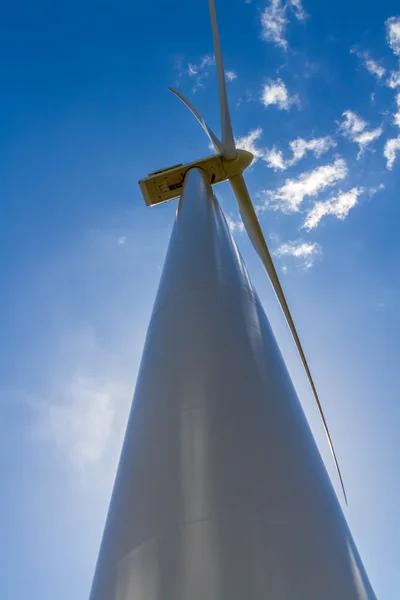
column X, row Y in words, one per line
column 221, row 493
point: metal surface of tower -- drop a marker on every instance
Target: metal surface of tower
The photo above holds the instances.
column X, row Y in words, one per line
column 221, row 493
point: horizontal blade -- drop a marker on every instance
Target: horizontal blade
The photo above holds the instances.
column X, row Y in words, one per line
column 256, row 236
column 213, row 138
column 228, row 142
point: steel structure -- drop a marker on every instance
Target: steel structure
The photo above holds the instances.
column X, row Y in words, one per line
column 221, row 493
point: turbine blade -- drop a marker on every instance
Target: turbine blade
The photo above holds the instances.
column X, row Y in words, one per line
column 228, row 142
column 256, row 236
column 213, row 138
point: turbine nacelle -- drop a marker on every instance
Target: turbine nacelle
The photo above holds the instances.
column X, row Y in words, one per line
column 166, row 184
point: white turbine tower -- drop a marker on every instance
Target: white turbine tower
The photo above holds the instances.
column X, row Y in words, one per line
column 221, row 493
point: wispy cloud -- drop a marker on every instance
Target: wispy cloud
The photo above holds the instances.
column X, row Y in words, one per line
column 248, row 142
column 230, row 75
column 392, row 147
column 338, row 206
column 393, row 34
column 374, row 67
column 274, row 23
column 374, row 190
column 274, row 159
column 394, row 80
column 366, row 137
column 396, row 116
column 234, row 225
column 206, row 61
column 304, row 251
column 299, row 147
column 352, row 124
column 369, row 63
column 290, row 196
column 318, row 146
column 354, row 127
column 200, row 71
column 121, row 240
column 297, row 7
column 274, row 20
column 275, row 93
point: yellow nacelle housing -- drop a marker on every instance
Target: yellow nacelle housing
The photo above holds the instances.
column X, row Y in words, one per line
column 167, row 184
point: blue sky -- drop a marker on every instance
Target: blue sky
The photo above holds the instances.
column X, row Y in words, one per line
column 85, row 112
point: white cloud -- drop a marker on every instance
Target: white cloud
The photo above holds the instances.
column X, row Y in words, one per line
column 230, row 75
column 354, row 127
column 392, row 147
column 374, row 67
column 300, row 147
column 275, row 92
column 374, row 190
column 394, row 80
column 248, row 142
column 396, row 119
column 192, row 70
column 121, row 240
column 206, row 61
column 199, row 71
column 290, row 196
column 305, row 251
column 274, row 20
column 298, row 9
column 338, row 206
column 274, row 159
column 370, row 64
column 234, row 225
column 274, row 23
column 365, row 138
column 352, row 124
column 318, row 146
column 393, row 34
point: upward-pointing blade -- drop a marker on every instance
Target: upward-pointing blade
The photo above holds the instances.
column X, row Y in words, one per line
column 256, row 236
column 213, row 138
column 228, row 142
